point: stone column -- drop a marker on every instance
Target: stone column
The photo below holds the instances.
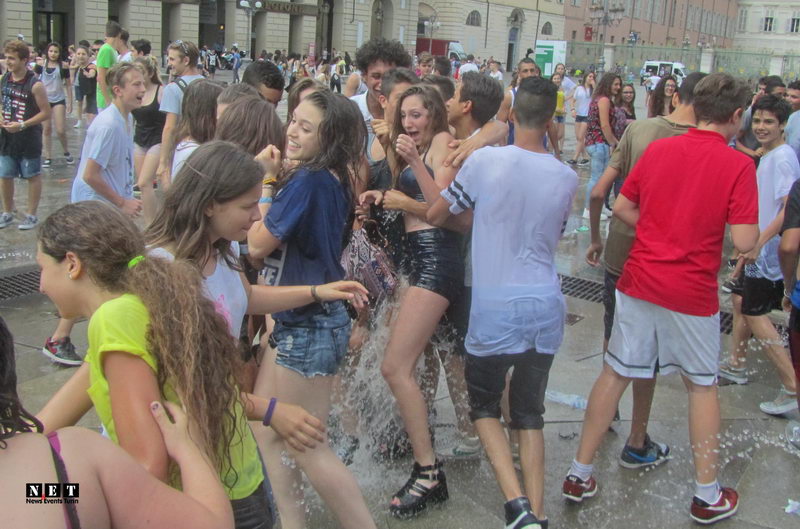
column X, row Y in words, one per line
column 143, row 18
column 274, row 32
column 17, row 16
column 90, row 19
column 236, row 25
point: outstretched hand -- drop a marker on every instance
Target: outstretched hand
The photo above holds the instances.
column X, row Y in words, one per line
column 297, row 427
column 351, row 291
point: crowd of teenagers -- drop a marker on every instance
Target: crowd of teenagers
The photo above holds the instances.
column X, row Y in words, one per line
column 231, row 300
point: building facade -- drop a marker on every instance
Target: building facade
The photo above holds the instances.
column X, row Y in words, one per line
column 680, row 23
column 768, row 26
column 504, row 29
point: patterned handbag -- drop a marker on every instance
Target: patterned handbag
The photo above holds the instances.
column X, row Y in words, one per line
column 369, row 264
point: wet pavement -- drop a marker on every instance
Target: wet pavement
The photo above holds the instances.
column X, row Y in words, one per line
column 754, row 456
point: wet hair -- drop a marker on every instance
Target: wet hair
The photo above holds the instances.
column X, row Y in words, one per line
column 216, row 172
column 629, row 106
column 17, row 47
column 527, row 60
column 686, row 89
column 142, row 46
column 117, row 75
column 442, row 66
column 113, row 29
column 124, row 36
column 777, row 106
column 437, row 122
column 186, row 49
column 84, row 48
column 603, row 88
column 391, row 52
column 234, row 92
column 396, row 76
column 794, row 85
column 771, row 82
column 658, row 97
column 342, row 135
column 263, row 72
column 584, row 80
column 84, row 42
column 52, row 45
column 298, row 87
column 189, row 340
column 14, row 418
column 199, row 111
column 149, row 66
column 718, row 96
column 485, row 93
column 445, row 85
column 535, row 102
column 98, row 42
column 252, row 123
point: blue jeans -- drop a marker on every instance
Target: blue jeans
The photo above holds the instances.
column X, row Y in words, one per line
column 601, row 155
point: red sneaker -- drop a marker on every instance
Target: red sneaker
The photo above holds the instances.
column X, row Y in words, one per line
column 575, row 489
column 725, row 507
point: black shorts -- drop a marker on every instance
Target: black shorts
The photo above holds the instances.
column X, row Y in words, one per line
column 738, row 285
column 212, row 68
column 61, row 102
column 486, row 380
column 761, row 296
column 433, row 262
column 609, row 302
column 581, row 119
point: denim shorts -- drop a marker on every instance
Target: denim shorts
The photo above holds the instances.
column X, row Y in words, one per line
column 254, row 511
column 315, row 346
column 16, row 166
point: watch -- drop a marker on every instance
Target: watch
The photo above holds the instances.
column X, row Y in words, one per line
column 21, row 125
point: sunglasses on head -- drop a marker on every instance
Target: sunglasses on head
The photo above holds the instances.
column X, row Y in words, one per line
column 184, row 47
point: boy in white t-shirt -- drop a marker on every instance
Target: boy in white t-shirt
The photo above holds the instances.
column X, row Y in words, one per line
column 517, row 312
column 761, row 286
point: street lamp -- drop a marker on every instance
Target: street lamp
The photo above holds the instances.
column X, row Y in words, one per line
column 606, row 15
column 433, row 24
column 249, row 7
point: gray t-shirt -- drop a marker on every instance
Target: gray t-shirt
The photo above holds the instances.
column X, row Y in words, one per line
column 173, row 95
column 109, row 142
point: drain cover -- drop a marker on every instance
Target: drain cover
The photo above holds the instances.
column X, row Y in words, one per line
column 19, row 284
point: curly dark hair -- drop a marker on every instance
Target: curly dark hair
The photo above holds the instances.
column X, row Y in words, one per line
column 14, row 418
column 381, row 49
column 658, row 99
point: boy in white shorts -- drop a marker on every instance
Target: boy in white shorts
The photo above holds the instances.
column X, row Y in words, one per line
column 667, row 307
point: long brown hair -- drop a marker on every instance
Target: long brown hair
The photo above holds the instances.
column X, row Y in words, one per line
column 252, row 123
column 216, row 172
column 432, row 101
column 199, row 111
column 149, row 66
column 188, row 338
column 658, row 97
column 298, row 87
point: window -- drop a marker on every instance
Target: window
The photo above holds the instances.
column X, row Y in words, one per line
column 794, row 24
column 547, row 29
column 474, row 19
column 574, row 34
column 576, row 3
column 612, row 39
column 741, row 25
column 769, row 20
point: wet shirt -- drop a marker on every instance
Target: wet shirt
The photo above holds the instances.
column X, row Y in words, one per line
column 53, row 78
column 109, row 142
column 308, row 215
column 172, row 99
column 682, row 215
column 791, row 220
column 637, row 137
column 776, row 173
column 517, row 303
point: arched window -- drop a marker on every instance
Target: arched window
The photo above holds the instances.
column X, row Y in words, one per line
column 547, row 29
column 474, row 19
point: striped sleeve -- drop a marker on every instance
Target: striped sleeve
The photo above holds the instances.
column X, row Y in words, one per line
column 462, row 192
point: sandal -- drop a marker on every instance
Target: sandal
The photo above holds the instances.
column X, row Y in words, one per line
column 413, row 504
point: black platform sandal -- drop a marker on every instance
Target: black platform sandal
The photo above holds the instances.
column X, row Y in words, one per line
column 413, row 504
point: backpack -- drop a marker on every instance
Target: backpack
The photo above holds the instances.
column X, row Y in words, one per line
column 183, row 85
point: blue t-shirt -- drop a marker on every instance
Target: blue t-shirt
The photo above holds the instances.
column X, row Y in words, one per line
column 172, row 99
column 237, row 61
column 308, row 216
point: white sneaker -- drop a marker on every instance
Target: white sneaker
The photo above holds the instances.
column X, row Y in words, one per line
column 793, row 433
column 77, row 125
column 29, row 223
column 6, row 219
column 783, row 403
column 466, row 447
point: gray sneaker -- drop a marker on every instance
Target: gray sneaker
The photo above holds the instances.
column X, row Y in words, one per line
column 6, row 219
column 793, row 433
column 737, row 375
column 29, row 223
column 61, row 351
column 783, row 403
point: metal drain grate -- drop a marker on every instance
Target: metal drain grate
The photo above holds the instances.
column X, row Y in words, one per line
column 17, row 285
column 580, row 288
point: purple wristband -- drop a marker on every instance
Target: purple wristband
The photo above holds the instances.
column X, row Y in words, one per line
column 270, row 410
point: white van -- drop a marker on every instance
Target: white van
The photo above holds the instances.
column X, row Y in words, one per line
column 662, row 68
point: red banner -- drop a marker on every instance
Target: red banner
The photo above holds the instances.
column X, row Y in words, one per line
column 587, row 33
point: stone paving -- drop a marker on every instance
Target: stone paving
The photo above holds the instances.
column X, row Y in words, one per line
column 755, row 458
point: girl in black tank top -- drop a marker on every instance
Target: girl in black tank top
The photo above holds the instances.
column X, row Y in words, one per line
column 147, row 136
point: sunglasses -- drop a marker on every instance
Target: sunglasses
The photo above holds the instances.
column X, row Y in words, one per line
column 184, row 47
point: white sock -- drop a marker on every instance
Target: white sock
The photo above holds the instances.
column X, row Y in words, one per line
column 582, row 471
column 708, row 492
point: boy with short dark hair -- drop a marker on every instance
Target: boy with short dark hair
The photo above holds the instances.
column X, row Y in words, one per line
column 107, row 56
column 667, row 309
column 517, row 310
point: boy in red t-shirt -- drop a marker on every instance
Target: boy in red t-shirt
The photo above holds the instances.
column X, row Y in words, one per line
column 667, row 305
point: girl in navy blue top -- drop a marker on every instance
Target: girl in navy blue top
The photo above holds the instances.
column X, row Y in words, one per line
column 302, row 238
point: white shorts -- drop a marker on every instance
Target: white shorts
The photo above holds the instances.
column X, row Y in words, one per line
column 647, row 338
